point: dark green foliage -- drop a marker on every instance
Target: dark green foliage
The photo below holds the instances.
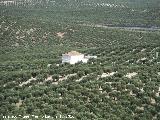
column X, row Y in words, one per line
column 30, row 50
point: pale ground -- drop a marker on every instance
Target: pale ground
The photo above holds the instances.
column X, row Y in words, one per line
column 16, row 44
column 61, row 34
column 65, row 78
column 81, row 78
column 130, row 75
column 100, row 76
column 140, row 108
column 143, row 50
column 157, row 94
column 49, row 78
column 143, row 58
column 19, row 103
column 153, row 101
column 49, row 65
column 27, row 82
column 100, row 89
column 55, row 83
column 132, row 94
column 107, row 74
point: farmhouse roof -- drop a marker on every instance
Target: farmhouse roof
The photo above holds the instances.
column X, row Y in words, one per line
column 73, row 53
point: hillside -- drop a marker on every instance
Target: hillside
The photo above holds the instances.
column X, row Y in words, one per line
column 117, row 12
column 123, row 83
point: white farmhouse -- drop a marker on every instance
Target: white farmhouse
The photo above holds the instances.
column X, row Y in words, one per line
column 73, row 57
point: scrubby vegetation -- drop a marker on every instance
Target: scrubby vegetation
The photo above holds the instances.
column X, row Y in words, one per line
column 123, row 83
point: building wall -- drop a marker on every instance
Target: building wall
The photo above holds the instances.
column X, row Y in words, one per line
column 73, row 59
column 66, row 59
column 77, row 58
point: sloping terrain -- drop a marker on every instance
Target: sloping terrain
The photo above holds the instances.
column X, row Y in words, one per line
column 117, row 12
column 123, row 83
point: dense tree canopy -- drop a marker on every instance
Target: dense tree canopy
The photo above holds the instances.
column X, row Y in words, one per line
column 123, row 83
